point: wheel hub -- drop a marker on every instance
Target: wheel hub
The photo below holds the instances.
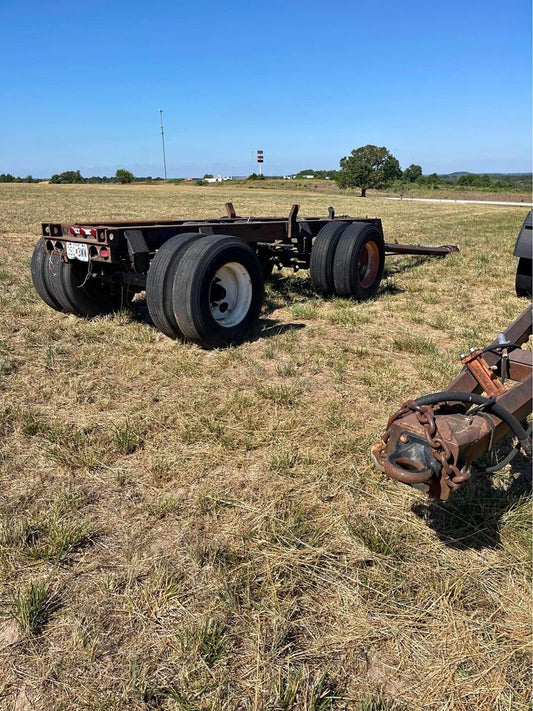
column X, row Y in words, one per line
column 230, row 294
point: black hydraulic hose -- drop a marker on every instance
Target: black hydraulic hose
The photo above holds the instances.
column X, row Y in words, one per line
column 509, row 458
column 488, row 404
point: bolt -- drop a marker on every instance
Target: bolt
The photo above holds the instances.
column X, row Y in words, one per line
column 463, row 356
column 473, row 350
column 404, row 438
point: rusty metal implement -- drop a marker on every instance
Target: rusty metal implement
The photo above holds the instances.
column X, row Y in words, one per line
column 431, row 442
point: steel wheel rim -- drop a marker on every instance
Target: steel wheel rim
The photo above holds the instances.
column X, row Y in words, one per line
column 230, row 294
column 368, row 264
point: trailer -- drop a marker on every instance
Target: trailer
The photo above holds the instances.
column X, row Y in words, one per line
column 204, row 278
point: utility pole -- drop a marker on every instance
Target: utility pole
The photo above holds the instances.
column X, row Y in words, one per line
column 163, row 142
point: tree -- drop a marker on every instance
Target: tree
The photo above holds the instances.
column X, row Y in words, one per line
column 69, row 176
column 411, row 173
column 368, row 167
column 124, row 176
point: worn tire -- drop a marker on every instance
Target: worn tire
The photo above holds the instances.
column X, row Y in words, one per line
column 41, row 264
column 359, row 260
column 217, row 291
column 322, row 256
column 523, row 277
column 89, row 297
column 160, row 280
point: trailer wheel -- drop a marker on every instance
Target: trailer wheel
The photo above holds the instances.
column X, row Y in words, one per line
column 41, row 264
column 160, row 281
column 359, row 260
column 217, row 291
column 88, row 295
column 523, row 277
column 322, row 255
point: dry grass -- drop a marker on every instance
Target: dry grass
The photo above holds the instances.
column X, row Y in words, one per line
column 198, row 530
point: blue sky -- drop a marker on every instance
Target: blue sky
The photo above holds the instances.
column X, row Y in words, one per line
column 446, row 85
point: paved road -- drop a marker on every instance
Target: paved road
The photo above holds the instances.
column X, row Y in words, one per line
column 463, row 202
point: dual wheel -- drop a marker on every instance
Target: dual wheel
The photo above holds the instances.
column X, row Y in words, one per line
column 70, row 287
column 205, row 288
column 347, row 260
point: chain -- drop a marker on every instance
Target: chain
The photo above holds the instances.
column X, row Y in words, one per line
column 425, row 415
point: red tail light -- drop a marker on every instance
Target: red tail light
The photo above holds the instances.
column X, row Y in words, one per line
column 82, row 231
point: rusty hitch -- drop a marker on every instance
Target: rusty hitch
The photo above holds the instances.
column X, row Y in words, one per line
column 431, row 442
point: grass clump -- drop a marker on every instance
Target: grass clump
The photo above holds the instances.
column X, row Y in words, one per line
column 32, row 605
column 52, row 539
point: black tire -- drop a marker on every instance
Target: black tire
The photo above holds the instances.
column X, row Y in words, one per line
column 217, row 291
column 359, row 260
column 53, row 274
column 41, row 276
column 322, row 256
column 160, row 280
column 523, row 277
column 89, row 296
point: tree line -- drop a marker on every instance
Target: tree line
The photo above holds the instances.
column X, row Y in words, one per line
column 366, row 167
column 73, row 177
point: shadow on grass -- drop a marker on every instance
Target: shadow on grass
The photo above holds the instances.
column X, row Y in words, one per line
column 472, row 516
column 267, row 327
column 139, row 311
column 393, row 267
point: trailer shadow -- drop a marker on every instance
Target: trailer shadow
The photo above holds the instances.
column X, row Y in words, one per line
column 472, row 516
column 267, row 328
column 394, row 266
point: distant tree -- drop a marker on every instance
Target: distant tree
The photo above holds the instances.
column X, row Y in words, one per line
column 368, row 167
column 411, row 173
column 432, row 180
column 7, row 178
column 208, row 175
column 69, row 176
column 124, row 176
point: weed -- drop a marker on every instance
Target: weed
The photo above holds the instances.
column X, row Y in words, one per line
column 51, row 538
column 283, row 394
column 378, row 538
column 127, row 436
column 414, row 344
column 32, row 605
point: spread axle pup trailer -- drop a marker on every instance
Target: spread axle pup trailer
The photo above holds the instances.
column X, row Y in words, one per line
column 204, row 278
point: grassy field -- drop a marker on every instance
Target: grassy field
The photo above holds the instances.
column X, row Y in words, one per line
column 193, row 530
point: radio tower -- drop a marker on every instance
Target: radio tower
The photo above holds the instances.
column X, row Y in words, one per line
column 163, row 142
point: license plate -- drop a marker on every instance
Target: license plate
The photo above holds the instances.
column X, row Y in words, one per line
column 75, row 250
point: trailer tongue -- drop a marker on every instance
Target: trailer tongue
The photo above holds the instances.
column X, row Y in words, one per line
column 204, row 278
column 431, row 442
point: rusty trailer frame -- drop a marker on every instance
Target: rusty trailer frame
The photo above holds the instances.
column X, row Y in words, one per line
column 204, row 278
column 431, row 442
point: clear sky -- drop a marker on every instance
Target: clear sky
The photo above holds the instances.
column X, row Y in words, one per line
column 446, row 85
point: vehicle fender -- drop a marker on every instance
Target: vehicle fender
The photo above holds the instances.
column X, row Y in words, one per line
column 524, row 242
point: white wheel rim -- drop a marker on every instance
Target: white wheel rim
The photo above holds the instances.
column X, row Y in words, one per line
column 230, row 294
